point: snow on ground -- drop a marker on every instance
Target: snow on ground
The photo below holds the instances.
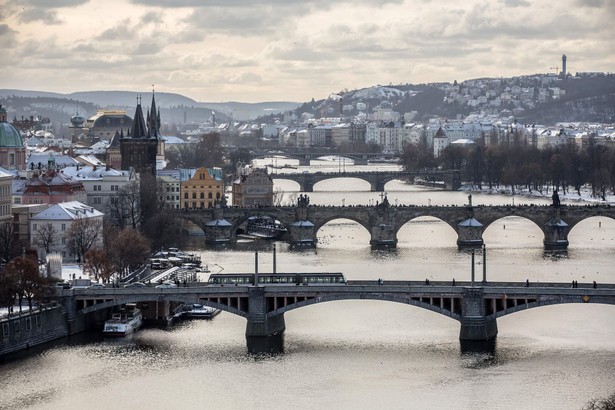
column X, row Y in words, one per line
column 570, row 196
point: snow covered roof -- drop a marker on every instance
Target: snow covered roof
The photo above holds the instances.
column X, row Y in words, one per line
column 67, row 211
column 89, row 172
column 172, row 140
column 463, row 141
column 218, row 222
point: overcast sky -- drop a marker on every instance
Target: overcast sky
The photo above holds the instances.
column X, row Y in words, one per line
column 292, row 50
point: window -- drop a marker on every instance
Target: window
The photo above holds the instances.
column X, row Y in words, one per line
column 63, row 227
column 63, row 241
column 185, row 195
column 34, row 227
column 28, row 323
column 209, row 195
column 11, row 159
column 202, row 195
column 97, row 200
column 194, row 195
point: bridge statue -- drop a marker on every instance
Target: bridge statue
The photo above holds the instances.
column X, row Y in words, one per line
column 303, row 201
column 555, row 197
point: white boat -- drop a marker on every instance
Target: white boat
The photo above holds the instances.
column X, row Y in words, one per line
column 198, row 311
column 124, row 322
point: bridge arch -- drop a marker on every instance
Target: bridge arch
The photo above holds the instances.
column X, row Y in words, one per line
column 245, row 218
column 419, row 222
column 165, row 298
column 602, row 227
column 338, row 181
column 364, row 223
column 506, row 230
column 288, row 184
column 555, row 301
column 448, row 312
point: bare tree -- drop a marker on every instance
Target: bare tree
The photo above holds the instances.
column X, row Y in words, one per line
column 124, row 210
column 97, row 264
column 8, row 288
column 46, row 236
column 129, row 250
column 83, row 234
column 8, row 242
column 31, row 285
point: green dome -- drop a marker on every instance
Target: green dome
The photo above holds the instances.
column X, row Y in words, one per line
column 9, row 136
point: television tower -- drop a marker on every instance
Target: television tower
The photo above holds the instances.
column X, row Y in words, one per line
column 564, row 66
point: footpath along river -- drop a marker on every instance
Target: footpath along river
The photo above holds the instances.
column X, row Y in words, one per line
column 357, row 354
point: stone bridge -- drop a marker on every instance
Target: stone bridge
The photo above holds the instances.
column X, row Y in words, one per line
column 305, row 156
column 377, row 180
column 475, row 305
column 383, row 222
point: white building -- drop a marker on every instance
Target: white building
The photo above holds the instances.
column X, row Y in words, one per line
column 101, row 183
column 60, row 217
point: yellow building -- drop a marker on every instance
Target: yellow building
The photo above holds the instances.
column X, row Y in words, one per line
column 202, row 189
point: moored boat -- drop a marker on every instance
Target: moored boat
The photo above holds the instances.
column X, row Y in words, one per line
column 198, row 311
column 122, row 323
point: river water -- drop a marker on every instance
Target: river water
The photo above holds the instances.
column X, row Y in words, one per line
column 357, row 354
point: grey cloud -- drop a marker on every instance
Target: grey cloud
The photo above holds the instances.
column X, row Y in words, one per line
column 147, row 47
column 35, row 14
column 244, row 78
column 591, row 3
column 122, row 30
column 6, row 31
column 54, row 3
column 516, row 3
column 317, row 4
column 151, row 17
column 240, row 22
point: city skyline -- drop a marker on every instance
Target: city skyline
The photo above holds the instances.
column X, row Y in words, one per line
column 236, row 50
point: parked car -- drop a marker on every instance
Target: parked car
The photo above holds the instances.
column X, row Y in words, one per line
column 166, row 285
column 63, row 285
column 97, row 285
column 135, row 285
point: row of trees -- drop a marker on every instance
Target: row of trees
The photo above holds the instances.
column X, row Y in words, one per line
column 21, row 280
column 517, row 165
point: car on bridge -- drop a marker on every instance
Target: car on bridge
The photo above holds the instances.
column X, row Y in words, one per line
column 166, row 285
column 135, row 285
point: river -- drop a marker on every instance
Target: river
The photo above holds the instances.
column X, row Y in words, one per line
column 357, row 354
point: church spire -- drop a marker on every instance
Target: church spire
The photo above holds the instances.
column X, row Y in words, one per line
column 138, row 124
column 153, row 119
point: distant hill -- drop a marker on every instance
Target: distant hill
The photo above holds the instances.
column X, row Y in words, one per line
column 588, row 98
column 174, row 107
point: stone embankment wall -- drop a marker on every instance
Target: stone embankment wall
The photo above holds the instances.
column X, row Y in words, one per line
column 22, row 331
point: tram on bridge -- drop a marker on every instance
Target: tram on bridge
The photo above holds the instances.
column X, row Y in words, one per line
column 277, row 278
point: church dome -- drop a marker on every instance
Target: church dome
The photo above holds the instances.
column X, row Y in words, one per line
column 77, row 120
column 9, row 136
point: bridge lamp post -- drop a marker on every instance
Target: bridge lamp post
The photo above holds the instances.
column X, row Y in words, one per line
column 484, row 264
column 343, row 201
column 472, row 282
column 429, row 201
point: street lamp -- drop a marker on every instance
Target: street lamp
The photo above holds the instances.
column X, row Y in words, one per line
column 343, row 201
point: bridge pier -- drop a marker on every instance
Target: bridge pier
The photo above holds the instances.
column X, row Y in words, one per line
column 383, row 236
column 218, row 230
column 478, row 331
column 469, row 234
column 556, row 235
column 264, row 334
